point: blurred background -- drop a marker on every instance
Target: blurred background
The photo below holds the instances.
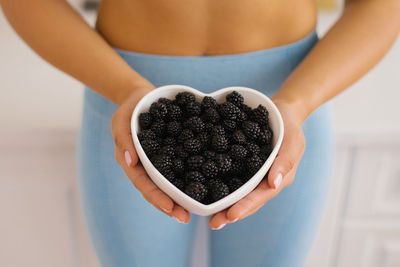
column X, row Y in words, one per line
column 41, row 221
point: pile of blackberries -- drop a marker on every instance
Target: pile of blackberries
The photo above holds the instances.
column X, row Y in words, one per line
column 206, row 149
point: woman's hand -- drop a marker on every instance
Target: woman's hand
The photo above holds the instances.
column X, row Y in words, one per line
column 127, row 158
column 280, row 175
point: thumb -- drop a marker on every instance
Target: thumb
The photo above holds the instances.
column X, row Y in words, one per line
column 287, row 159
column 125, row 152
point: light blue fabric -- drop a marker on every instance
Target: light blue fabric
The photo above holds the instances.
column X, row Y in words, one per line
column 128, row 231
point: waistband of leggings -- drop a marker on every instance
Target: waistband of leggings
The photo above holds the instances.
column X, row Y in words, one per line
column 104, row 107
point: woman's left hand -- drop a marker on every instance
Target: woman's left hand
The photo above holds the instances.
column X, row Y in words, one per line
column 281, row 173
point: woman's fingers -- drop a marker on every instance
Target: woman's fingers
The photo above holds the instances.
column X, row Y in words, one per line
column 240, row 209
column 149, row 190
column 249, row 204
column 154, row 195
column 288, row 157
column 280, row 175
column 253, row 201
column 180, row 214
column 218, row 220
column 127, row 158
column 270, row 193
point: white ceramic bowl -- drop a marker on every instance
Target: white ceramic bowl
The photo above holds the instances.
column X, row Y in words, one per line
column 252, row 98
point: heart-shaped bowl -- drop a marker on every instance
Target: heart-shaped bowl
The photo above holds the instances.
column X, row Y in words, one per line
column 252, row 98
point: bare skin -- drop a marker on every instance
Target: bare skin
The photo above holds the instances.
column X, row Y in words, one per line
column 355, row 44
column 204, row 27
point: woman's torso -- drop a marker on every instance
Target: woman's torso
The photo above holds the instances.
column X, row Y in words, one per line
column 204, row 27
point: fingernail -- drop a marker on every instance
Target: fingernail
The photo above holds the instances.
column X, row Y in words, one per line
column 235, row 220
column 179, row 220
column 128, row 158
column 166, row 210
column 278, row 180
column 219, row 227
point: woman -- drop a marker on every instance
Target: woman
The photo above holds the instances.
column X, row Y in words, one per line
column 267, row 45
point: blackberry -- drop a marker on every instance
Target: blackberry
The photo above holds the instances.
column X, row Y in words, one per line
column 162, row 163
column 193, row 109
column 238, row 152
column 229, row 125
column 238, row 137
column 164, row 100
column 207, row 200
column 168, row 174
column 186, row 134
column 247, row 109
column 192, row 146
column 195, row 162
column 253, row 149
column 209, row 155
column 174, row 113
column 180, row 152
column 169, row 141
column 234, row 184
column 235, row 98
column 174, row 128
column 150, row 146
column 238, row 167
column 229, row 111
column 167, row 150
column 179, row 183
column 223, row 162
column 264, row 157
column 183, row 98
column 260, row 115
column 242, row 117
column 218, row 130
column 194, row 176
column 145, row 120
column 210, row 182
column 208, row 102
column 265, row 152
column 211, row 115
column 265, row 137
column 208, row 126
column 246, row 176
column 158, row 127
column 209, row 169
column 146, row 134
column 158, row 110
column 253, row 164
column 178, row 166
column 195, row 124
column 204, row 139
column 218, row 190
column 219, row 143
column 196, row 190
column 251, row 129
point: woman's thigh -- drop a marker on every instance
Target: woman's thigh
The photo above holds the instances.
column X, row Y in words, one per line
column 282, row 231
column 125, row 229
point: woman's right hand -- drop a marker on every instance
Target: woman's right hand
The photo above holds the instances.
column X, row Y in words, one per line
column 127, row 158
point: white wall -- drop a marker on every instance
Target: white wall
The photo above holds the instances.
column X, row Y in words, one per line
column 36, row 95
column 370, row 106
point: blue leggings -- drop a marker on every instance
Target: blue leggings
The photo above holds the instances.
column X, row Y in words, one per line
column 127, row 231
